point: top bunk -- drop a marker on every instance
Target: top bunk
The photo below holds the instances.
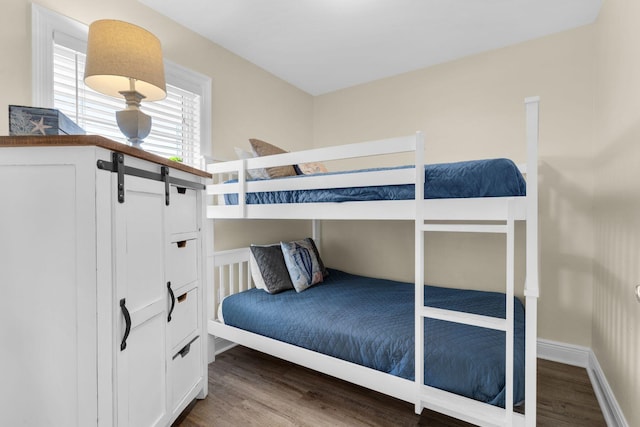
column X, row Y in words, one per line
column 476, row 190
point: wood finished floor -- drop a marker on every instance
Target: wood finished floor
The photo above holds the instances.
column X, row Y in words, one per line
column 249, row 388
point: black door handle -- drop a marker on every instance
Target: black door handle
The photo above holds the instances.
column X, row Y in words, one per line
column 127, row 321
column 173, row 301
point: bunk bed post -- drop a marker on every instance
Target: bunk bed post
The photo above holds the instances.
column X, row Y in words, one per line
column 316, row 233
column 242, row 191
column 531, row 291
column 509, row 315
column 419, row 270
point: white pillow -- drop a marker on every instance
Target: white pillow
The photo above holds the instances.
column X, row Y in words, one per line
column 253, row 173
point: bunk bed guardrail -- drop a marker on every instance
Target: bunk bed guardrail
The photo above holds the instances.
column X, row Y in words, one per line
column 237, row 170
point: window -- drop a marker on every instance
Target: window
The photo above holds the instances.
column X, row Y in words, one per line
column 180, row 121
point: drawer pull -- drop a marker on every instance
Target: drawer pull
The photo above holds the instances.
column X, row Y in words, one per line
column 182, row 298
column 182, row 244
column 173, row 301
column 127, row 322
column 185, row 350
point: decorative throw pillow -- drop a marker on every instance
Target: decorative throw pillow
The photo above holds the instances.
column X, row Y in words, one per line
column 261, row 149
column 324, row 270
column 302, row 264
column 268, row 269
column 259, row 173
column 311, row 168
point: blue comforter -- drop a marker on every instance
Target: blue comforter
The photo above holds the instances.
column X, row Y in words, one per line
column 476, row 178
column 371, row 322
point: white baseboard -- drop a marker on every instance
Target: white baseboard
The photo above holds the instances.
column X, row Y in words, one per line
column 585, row 357
column 220, row 346
column 568, row 354
column 217, row 346
column 613, row 415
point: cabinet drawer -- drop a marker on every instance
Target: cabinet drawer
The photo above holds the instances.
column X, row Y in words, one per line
column 183, row 210
column 186, row 371
column 182, row 262
column 184, row 318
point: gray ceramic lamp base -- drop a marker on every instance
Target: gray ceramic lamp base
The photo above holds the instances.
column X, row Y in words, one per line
column 133, row 123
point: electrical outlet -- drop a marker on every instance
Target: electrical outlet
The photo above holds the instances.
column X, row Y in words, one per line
column 638, row 293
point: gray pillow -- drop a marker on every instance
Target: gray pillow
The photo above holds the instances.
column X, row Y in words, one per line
column 268, row 270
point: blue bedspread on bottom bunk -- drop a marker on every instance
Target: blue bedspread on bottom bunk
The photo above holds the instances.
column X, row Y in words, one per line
column 371, row 322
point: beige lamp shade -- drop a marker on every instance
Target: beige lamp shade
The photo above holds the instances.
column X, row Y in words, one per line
column 118, row 52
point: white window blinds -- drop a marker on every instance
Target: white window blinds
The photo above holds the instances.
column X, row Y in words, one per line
column 175, row 129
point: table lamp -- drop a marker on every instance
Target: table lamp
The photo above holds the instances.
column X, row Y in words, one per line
column 126, row 60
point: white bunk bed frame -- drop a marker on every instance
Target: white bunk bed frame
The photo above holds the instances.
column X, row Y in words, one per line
column 475, row 215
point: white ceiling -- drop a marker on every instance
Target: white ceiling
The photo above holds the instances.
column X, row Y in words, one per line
column 325, row 45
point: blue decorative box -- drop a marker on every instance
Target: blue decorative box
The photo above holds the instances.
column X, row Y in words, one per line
column 40, row 121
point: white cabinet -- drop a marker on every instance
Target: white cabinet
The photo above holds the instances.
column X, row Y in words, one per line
column 89, row 284
column 142, row 296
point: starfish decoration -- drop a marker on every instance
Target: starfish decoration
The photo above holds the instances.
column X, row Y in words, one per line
column 39, row 126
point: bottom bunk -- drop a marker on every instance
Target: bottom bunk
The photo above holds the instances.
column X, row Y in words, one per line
column 361, row 330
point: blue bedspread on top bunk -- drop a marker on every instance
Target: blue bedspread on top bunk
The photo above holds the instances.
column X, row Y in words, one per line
column 371, row 322
column 476, row 178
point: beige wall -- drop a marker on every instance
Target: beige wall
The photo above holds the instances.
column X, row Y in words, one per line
column 247, row 101
column 474, row 108
column 616, row 313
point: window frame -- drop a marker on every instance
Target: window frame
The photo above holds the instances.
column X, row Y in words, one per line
column 46, row 23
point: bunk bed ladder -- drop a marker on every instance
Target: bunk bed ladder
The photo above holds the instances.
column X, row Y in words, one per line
column 472, row 411
column 506, row 325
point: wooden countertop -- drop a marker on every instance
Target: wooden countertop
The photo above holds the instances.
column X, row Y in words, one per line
column 98, row 141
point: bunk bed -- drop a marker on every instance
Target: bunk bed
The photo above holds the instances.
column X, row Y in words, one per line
column 234, row 195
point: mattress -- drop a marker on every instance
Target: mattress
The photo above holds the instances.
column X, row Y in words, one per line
column 476, row 178
column 371, row 322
